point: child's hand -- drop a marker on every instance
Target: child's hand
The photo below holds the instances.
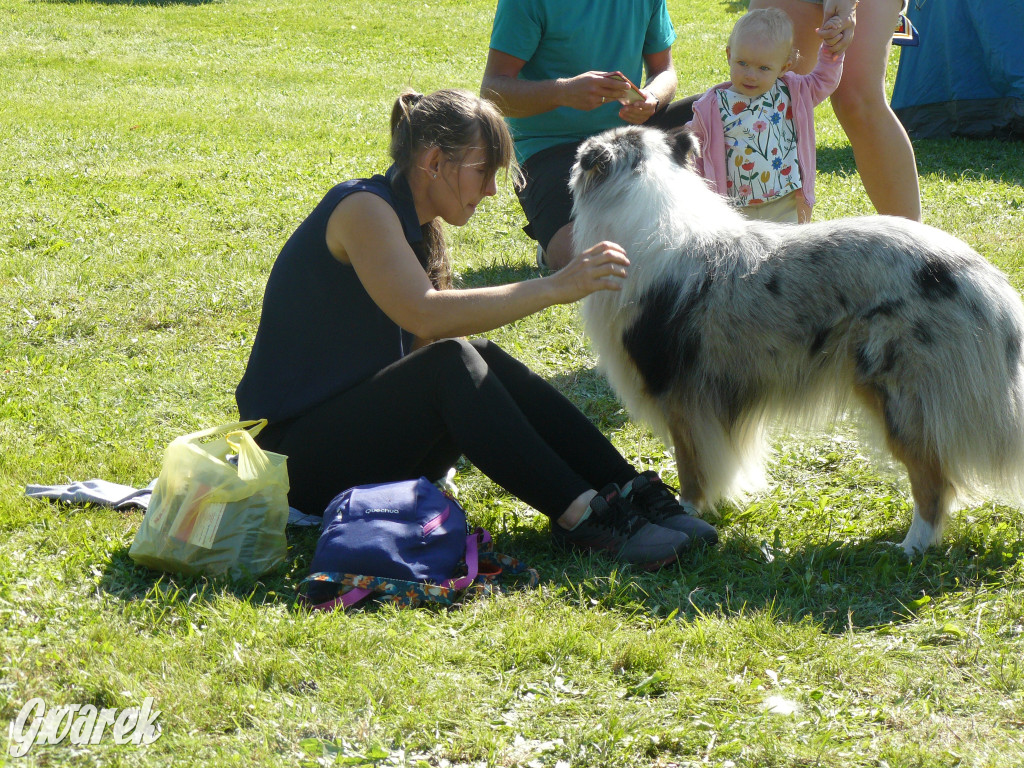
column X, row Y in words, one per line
column 831, row 32
column 837, row 30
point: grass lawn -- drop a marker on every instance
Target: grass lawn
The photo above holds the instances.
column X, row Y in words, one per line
column 154, row 157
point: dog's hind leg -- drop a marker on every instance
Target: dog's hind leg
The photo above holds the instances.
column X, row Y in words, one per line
column 933, row 497
column 905, row 434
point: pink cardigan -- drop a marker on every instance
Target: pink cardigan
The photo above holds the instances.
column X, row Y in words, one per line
column 806, row 91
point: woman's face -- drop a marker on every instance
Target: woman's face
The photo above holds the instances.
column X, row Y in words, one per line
column 463, row 183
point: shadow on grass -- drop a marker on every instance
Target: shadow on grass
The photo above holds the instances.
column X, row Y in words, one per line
column 126, row 581
column 950, row 158
column 590, row 391
column 843, row 586
column 996, row 159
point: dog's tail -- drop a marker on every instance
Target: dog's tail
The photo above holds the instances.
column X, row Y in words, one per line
column 980, row 439
column 972, row 403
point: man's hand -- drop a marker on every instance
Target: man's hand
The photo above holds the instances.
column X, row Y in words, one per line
column 591, row 90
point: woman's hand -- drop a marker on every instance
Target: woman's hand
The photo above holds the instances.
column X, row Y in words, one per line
column 839, row 17
column 600, row 267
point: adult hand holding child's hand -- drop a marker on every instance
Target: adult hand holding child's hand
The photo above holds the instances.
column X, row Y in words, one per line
column 840, row 19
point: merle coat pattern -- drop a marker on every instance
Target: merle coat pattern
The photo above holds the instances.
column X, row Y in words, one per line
column 724, row 325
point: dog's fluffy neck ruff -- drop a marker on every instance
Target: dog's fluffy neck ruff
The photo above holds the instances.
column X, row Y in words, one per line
column 672, row 206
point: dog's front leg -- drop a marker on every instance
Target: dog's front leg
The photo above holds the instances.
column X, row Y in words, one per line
column 692, row 481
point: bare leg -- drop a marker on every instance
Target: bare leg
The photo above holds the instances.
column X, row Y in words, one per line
column 575, row 511
column 881, row 147
column 559, row 250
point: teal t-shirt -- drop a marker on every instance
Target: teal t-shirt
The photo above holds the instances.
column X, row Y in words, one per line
column 563, row 38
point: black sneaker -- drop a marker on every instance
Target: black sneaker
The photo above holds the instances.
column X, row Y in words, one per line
column 657, row 503
column 615, row 528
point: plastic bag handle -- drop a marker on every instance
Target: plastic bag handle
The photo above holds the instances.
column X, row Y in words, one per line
column 252, row 461
column 252, row 427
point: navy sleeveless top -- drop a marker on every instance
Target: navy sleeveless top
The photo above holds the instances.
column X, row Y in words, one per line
column 320, row 333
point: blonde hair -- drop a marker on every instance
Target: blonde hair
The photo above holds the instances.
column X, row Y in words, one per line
column 455, row 121
column 771, row 24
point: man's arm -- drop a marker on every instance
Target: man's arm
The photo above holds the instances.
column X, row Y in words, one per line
column 661, row 76
column 659, row 88
column 522, row 98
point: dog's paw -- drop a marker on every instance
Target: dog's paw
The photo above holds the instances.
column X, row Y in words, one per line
column 710, row 514
column 898, row 547
column 920, row 537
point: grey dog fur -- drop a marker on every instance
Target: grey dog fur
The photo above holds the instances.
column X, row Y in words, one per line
column 724, row 325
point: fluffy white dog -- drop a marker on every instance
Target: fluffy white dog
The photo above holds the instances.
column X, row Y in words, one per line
column 725, row 324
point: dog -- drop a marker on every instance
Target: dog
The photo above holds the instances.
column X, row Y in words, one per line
column 724, row 325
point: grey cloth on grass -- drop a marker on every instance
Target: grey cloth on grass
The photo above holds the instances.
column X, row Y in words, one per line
column 108, row 494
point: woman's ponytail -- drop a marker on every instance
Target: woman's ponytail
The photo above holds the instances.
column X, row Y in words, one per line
column 454, row 121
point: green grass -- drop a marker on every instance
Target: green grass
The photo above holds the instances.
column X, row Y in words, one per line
column 155, row 156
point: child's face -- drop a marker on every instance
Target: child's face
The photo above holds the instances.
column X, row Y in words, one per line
column 755, row 64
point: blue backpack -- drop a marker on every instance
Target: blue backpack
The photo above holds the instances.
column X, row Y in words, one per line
column 404, row 542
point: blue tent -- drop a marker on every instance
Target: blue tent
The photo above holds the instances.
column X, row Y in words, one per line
column 966, row 77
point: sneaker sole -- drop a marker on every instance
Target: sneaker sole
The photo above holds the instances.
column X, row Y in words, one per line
column 656, row 565
column 649, row 565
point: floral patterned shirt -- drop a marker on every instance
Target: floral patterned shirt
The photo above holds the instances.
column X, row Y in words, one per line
column 760, row 145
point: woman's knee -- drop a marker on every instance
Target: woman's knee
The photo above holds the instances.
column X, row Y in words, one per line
column 489, row 351
column 505, row 366
column 482, row 346
column 456, row 355
column 860, row 105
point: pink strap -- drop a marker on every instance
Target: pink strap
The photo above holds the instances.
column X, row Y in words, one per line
column 346, row 600
column 472, row 559
column 473, row 542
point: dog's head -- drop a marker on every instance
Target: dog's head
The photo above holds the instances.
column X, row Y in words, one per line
column 625, row 151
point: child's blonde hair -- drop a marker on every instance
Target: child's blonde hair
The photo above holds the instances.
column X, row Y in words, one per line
column 768, row 23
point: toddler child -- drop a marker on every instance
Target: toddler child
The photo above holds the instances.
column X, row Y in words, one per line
column 756, row 131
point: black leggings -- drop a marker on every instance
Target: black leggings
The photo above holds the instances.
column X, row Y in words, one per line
column 451, row 398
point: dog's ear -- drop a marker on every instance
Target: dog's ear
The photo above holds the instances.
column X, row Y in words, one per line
column 684, row 146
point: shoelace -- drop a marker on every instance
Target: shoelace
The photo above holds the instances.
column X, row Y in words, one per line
column 659, row 496
column 617, row 518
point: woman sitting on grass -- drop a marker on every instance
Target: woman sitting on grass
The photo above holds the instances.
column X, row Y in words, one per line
column 360, row 367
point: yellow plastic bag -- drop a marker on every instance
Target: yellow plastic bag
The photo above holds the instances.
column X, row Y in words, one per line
column 208, row 516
